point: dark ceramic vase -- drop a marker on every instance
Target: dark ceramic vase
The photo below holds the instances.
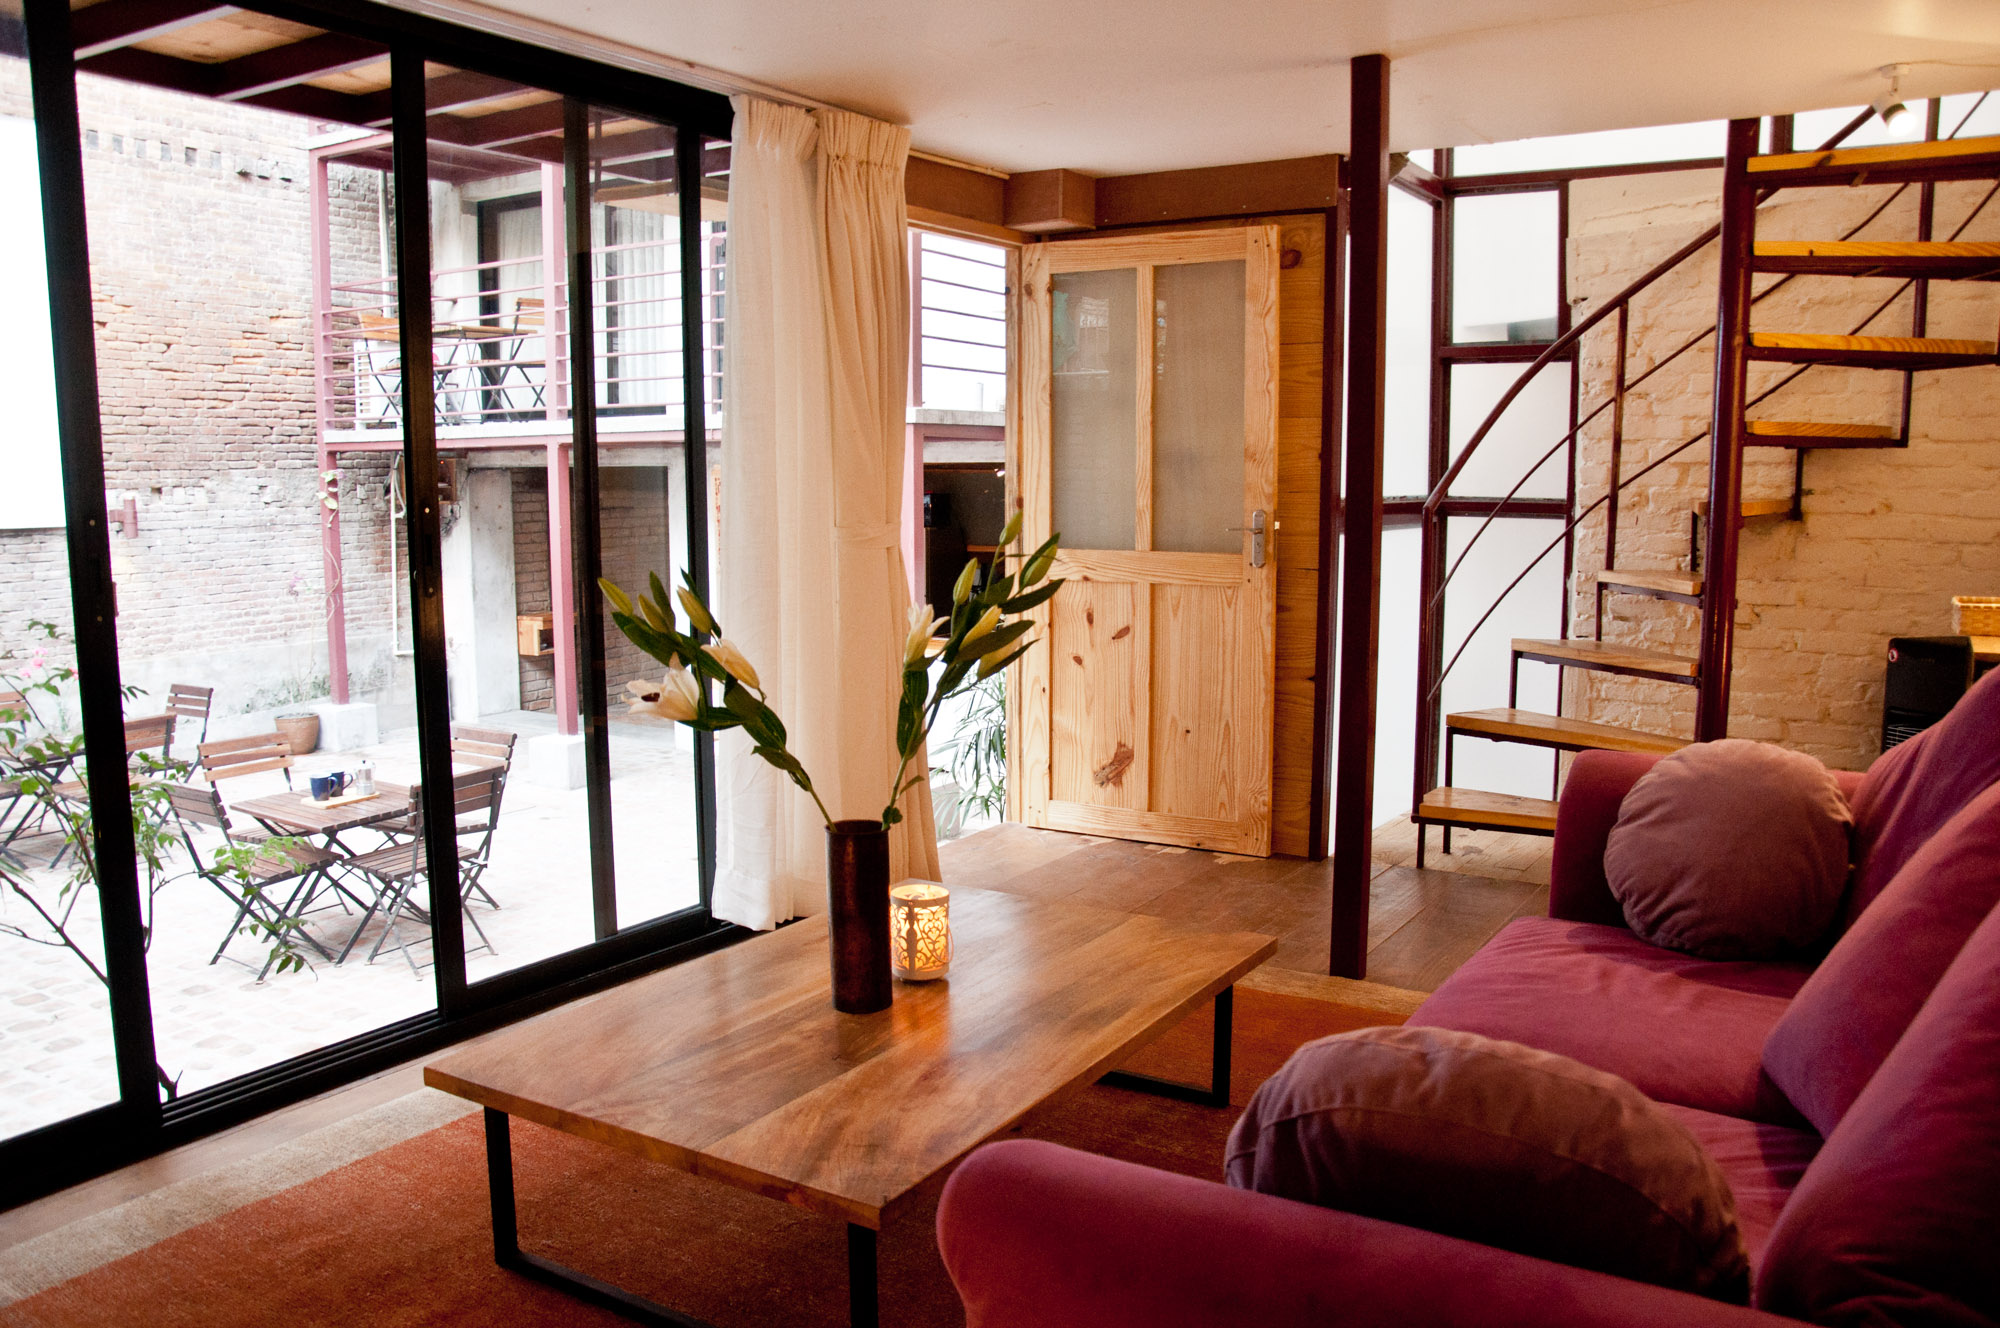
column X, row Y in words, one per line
column 857, row 879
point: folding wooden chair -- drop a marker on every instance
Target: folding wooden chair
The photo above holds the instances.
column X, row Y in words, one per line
column 402, row 867
column 189, row 706
column 303, row 864
column 232, row 758
column 478, row 749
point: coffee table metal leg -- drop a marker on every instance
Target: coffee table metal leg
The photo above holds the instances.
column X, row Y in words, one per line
column 863, row 1304
column 1216, row 1094
column 507, row 1251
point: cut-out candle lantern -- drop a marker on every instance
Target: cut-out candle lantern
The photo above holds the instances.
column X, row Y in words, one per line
column 919, row 931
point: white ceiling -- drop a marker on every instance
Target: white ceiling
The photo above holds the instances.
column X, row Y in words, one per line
column 1118, row 86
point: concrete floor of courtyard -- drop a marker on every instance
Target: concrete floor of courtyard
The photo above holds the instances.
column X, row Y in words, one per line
column 214, row 1022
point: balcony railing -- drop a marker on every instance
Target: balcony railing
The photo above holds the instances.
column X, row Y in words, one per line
column 501, row 346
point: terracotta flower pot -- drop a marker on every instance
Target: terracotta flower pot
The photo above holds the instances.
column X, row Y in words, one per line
column 301, row 732
column 857, row 879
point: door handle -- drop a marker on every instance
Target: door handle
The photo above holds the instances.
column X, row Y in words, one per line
column 1258, row 520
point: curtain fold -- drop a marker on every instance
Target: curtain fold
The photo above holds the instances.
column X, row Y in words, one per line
column 809, row 578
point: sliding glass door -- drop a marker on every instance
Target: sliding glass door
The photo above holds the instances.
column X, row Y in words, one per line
column 371, row 343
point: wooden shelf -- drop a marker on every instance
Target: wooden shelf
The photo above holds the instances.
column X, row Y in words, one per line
column 1936, row 260
column 1659, row 585
column 1811, row 433
column 1575, row 735
column 1491, row 811
column 1870, row 352
column 1604, row 657
column 1752, row 507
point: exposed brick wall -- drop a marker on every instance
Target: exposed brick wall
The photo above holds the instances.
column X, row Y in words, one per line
column 1888, row 536
column 531, row 580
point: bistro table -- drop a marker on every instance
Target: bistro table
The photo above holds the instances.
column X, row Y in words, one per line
column 299, row 815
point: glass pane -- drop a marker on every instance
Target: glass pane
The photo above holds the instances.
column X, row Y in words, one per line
column 1406, row 414
column 56, row 1056
column 1504, row 267
column 1094, row 407
column 1812, row 128
column 1198, row 407
column 1968, row 115
column 499, row 311
column 1532, row 424
column 961, row 298
column 1479, row 679
column 644, row 487
column 261, row 560
column 1611, row 147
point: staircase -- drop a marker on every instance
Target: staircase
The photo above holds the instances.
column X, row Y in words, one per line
column 1708, row 585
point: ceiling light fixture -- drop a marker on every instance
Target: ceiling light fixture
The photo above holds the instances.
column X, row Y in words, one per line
column 1889, row 106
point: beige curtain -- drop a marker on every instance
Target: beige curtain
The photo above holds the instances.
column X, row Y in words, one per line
column 809, row 568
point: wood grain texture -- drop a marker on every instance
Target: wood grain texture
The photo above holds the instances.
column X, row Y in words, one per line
column 1097, row 696
column 1586, row 653
column 1191, row 246
column 1887, row 152
column 1817, row 429
column 1898, row 345
column 1460, row 806
column 736, row 1066
column 1559, row 731
column 1673, row 583
column 1878, row 248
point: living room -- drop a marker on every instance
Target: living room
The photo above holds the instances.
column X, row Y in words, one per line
column 1614, row 457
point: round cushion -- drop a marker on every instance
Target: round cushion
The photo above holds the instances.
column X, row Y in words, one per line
column 1497, row 1143
column 1731, row 850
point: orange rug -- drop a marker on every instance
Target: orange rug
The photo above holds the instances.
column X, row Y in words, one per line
column 400, row 1237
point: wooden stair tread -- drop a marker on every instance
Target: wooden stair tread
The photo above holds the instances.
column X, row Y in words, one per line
column 1947, row 260
column 1870, row 352
column 1882, row 248
column 1814, row 433
column 1752, row 507
column 1560, row 731
column 1499, row 811
column 1604, row 655
column 1951, row 158
column 1664, row 583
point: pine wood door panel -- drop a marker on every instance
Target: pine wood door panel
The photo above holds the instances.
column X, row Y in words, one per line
column 1097, row 697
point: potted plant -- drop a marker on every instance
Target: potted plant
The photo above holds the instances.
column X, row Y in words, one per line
column 300, row 729
column 983, row 635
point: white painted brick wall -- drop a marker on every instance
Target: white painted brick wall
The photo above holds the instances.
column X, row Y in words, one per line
column 1888, row 536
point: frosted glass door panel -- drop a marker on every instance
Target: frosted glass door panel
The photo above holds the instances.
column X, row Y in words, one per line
column 1094, row 407
column 1198, row 407
column 1503, row 254
column 1533, row 422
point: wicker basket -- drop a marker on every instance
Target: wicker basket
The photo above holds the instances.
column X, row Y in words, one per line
column 1975, row 615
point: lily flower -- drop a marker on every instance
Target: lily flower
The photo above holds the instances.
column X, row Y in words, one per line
column 729, row 657
column 922, row 625
column 987, row 622
column 674, row 697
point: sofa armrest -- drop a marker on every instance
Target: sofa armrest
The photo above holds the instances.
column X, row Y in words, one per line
column 1038, row 1236
column 1597, row 784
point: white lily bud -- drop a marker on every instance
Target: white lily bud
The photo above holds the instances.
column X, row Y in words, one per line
column 922, row 624
column 988, row 621
column 731, row 659
column 696, row 611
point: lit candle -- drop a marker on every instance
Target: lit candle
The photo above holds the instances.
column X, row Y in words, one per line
column 919, row 931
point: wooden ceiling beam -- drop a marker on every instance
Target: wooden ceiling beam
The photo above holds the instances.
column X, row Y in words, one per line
column 113, row 24
column 250, row 76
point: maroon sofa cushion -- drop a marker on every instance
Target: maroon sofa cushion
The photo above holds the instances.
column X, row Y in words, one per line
column 1861, row 998
column 1681, row 1029
column 1498, row 1143
column 1591, row 796
column 1915, row 787
column 1731, row 850
column 1898, row 1218
column 1762, row 1163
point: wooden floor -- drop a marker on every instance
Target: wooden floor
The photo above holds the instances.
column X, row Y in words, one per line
column 1422, row 924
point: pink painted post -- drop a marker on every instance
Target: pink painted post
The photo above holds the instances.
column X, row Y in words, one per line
column 554, row 319
column 562, row 576
column 328, row 489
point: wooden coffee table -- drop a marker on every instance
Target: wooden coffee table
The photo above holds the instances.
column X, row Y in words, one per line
column 735, row 1066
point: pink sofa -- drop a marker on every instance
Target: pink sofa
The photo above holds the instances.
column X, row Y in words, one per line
column 1854, row 1105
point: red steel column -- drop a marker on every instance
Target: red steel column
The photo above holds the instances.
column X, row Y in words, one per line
column 562, row 588
column 1361, row 516
column 1725, row 467
column 329, row 488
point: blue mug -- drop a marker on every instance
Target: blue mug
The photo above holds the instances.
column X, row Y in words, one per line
column 328, row 786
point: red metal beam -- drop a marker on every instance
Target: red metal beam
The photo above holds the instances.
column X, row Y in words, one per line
column 112, row 24
column 1361, row 517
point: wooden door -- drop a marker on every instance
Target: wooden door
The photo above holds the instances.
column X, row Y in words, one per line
column 1150, row 444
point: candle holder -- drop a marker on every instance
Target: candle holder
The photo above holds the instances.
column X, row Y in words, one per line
column 919, row 931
